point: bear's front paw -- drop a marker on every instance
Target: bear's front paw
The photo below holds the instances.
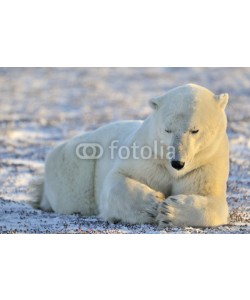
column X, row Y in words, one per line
column 151, row 205
column 181, row 210
column 165, row 214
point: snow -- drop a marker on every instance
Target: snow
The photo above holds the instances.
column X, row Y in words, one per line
column 40, row 107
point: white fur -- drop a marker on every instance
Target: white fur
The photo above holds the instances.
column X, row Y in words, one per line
column 148, row 191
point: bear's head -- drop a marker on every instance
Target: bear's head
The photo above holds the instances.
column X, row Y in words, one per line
column 191, row 120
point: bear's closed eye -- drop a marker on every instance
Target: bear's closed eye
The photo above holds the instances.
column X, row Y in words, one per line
column 168, row 130
column 194, row 131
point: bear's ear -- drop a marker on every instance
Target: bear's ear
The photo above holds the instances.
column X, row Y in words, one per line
column 222, row 100
column 155, row 102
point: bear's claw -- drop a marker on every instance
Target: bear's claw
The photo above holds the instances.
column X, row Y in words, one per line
column 173, row 199
column 151, row 215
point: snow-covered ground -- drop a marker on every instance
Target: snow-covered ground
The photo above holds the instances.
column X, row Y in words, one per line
column 41, row 106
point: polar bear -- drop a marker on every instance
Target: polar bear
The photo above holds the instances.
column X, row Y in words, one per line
column 186, row 188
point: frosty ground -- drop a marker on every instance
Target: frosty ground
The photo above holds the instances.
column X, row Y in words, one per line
column 40, row 107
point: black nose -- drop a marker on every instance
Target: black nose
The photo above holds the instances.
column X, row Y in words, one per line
column 178, row 165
